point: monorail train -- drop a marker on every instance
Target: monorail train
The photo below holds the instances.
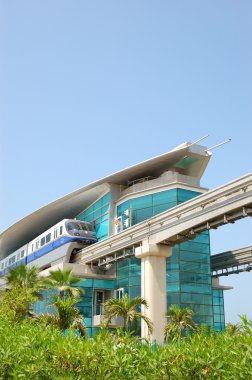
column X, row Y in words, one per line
column 52, row 246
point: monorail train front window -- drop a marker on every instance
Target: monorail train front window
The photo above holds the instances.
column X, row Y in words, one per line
column 79, row 226
column 89, row 227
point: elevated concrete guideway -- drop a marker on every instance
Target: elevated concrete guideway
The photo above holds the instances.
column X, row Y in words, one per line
column 217, row 207
column 230, row 262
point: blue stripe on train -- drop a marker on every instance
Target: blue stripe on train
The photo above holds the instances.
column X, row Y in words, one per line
column 48, row 248
column 55, row 244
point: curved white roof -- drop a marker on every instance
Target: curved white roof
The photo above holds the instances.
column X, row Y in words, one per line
column 188, row 159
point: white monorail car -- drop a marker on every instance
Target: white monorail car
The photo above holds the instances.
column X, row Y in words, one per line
column 52, row 246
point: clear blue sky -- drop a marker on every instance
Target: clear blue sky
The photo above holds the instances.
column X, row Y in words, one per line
column 91, row 87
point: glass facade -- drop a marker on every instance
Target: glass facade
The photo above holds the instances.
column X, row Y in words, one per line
column 86, row 304
column 128, row 278
column 98, row 213
column 188, row 278
column 142, row 208
column 188, row 273
column 218, row 309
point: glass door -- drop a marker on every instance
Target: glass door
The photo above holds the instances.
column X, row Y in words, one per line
column 99, row 301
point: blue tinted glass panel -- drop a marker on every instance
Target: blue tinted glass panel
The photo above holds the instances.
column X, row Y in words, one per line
column 141, row 215
column 135, row 270
column 134, row 281
column 201, row 238
column 122, row 264
column 185, row 195
column 191, row 266
column 161, row 208
column 217, row 309
column 205, row 299
column 141, row 202
column 206, row 320
column 189, row 277
column 123, row 272
column 173, row 298
column 195, row 247
column 196, row 288
column 104, row 284
column 165, row 197
column 106, row 198
column 86, row 311
column 88, row 322
column 172, row 276
column 122, row 207
column 104, row 209
column 135, row 291
column 217, row 318
column 201, row 309
column 172, row 287
column 121, row 283
column 97, row 204
column 86, row 283
column 134, row 260
column 195, row 256
column 88, row 218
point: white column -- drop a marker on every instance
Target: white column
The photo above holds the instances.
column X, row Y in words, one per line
column 153, row 286
column 114, row 195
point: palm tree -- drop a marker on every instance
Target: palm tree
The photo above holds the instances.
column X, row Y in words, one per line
column 64, row 281
column 24, row 277
column 24, row 287
column 128, row 309
column 178, row 321
column 67, row 316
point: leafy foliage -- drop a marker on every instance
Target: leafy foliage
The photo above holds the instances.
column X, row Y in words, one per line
column 30, row 351
column 16, row 303
column 24, row 287
column 129, row 310
column 67, row 316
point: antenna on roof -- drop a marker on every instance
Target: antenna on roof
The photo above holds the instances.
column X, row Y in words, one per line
column 217, row 145
column 195, row 142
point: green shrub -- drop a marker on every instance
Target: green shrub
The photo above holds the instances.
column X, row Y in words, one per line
column 28, row 350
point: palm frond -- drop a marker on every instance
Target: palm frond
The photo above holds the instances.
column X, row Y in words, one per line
column 128, row 309
column 65, row 282
column 178, row 320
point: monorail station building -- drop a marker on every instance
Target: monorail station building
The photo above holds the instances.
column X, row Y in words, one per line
column 117, row 210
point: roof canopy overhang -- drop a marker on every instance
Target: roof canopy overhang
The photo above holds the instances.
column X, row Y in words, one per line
column 187, row 159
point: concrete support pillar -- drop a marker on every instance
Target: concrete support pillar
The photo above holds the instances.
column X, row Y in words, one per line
column 153, row 286
column 115, row 191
